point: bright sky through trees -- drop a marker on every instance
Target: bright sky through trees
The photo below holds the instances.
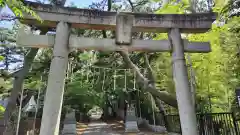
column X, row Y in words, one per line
column 78, row 3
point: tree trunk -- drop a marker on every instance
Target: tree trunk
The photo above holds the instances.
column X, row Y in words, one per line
column 150, row 75
column 17, row 87
column 162, row 111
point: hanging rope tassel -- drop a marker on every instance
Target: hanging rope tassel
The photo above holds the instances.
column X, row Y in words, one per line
column 154, row 118
column 87, row 73
column 103, row 82
column 134, row 80
column 36, row 111
column 114, row 80
column 20, row 112
column 125, row 80
column 82, row 78
column 93, row 81
column 134, row 87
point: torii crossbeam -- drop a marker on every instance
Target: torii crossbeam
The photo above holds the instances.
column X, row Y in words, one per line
column 81, row 43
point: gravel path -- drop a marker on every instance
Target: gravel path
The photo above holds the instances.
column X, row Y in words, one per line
column 102, row 128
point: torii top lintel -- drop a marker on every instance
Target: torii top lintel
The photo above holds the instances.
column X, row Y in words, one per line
column 102, row 20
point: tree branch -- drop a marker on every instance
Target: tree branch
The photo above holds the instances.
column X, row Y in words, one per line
column 149, row 68
column 141, row 3
column 136, row 5
column 131, row 4
column 162, row 111
column 7, row 17
column 163, row 95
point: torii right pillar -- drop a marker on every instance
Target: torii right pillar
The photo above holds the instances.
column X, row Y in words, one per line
column 184, row 98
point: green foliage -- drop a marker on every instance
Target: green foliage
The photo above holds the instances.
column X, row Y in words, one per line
column 212, row 73
column 2, row 110
column 1, row 58
column 172, row 7
column 19, row 8
column 217, row 73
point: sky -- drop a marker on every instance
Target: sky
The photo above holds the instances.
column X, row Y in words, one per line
column 78, row 3
column 81, row 3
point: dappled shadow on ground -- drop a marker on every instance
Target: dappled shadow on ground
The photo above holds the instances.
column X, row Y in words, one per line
column 112, row 127
column 119, row 128
column 98, row 128
column 81, row 127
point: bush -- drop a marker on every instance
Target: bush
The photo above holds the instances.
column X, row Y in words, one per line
column 2, row 110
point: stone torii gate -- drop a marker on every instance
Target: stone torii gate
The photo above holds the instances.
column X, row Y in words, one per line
column 64, row 18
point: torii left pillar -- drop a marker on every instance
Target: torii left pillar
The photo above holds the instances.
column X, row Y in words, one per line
column 56, row 82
